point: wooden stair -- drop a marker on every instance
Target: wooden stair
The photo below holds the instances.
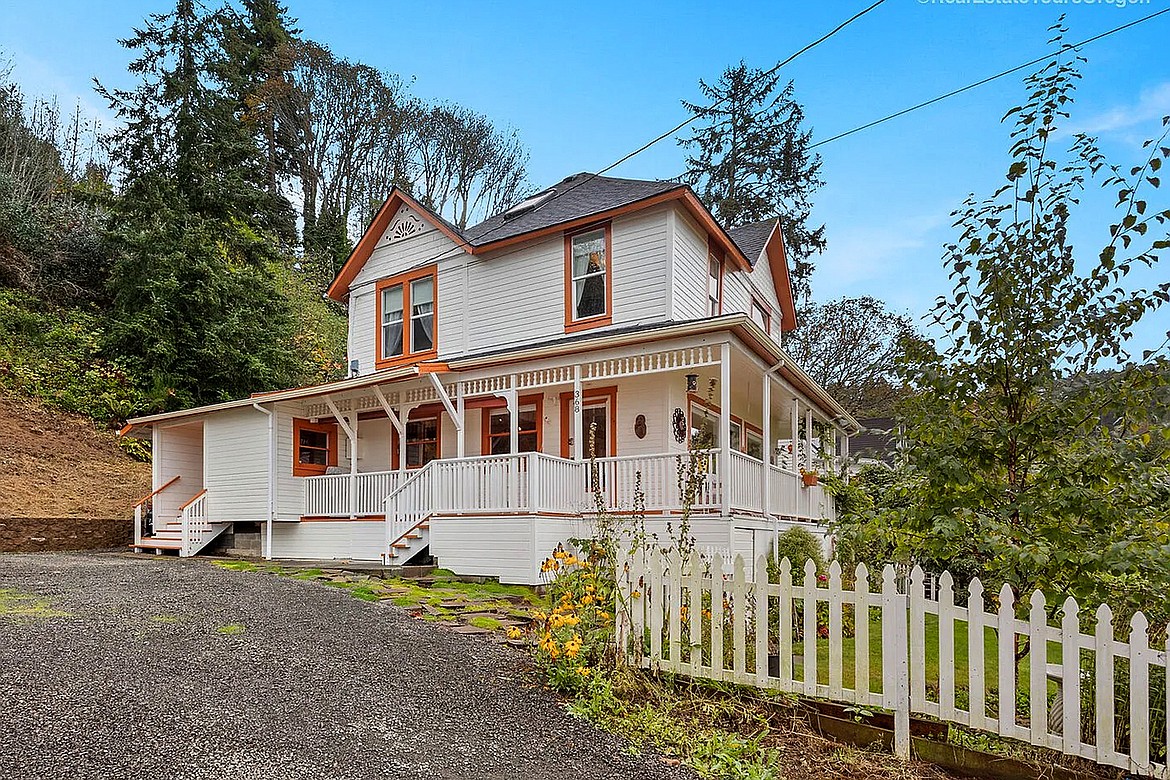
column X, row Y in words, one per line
column 410, row 544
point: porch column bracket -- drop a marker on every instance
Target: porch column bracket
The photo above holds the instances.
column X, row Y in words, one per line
column 446, row 399
column 389, row 410
column 340, row 418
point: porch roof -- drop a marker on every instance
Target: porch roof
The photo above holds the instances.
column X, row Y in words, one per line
column 748, row 332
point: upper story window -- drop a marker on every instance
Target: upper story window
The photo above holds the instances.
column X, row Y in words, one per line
column 406, row 318
column 762, row 315
column 714, row 285
column 588, row 280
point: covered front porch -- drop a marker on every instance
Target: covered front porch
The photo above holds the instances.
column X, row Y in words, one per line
column 571, row 435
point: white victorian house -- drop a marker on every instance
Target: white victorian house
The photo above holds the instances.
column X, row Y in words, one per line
column 505, row 375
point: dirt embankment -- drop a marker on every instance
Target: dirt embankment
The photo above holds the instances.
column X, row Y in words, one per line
column 54, row 464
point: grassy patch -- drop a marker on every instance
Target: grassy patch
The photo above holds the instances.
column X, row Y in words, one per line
column 27, row 606
column 231, row 629
column 489, row 623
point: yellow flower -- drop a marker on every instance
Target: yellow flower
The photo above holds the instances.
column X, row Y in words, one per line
column 584, row 671
column 514, row 633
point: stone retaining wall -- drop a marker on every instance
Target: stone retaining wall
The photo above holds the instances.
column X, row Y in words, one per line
column 42, row 534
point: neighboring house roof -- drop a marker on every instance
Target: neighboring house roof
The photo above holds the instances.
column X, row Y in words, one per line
column 877, row 440
column 577, row 201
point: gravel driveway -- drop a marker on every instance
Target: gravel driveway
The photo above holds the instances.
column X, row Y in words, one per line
column 141, row 679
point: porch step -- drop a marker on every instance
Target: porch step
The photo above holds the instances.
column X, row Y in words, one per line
column 151, row 544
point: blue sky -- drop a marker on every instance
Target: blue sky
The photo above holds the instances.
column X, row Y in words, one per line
column 586, row 84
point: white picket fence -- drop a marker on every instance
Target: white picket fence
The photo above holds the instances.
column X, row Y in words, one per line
column 718, row 620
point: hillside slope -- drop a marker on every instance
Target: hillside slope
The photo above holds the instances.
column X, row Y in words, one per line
column 54, row 464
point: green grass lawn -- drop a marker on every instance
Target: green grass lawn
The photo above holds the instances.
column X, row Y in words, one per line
column 962, row 657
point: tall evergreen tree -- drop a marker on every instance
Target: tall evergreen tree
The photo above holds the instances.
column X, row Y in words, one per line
column 752, row 160
column 194, row 309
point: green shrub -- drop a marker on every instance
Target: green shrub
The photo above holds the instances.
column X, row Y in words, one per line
column 52, row 354
column 798, row 546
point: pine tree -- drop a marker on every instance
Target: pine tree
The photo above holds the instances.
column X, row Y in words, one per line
column 752, row 160
column 195, row 310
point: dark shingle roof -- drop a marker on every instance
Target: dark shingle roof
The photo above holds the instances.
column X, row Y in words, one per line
column 878, row 439
column 752, row 238
column 581, row 195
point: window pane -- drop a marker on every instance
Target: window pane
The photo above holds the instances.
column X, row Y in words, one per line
column 588, row 253
column 528, row 442
column 704, row 427
column 500, row 422
column 392, row 304
column 311, row 438
column 528, row 418
column 736, row 433
column 590, row 296
column 498, row 445
column 594, row 425
column 422, row 295
column 422, row 334
column 755, row 445
column 392, row 339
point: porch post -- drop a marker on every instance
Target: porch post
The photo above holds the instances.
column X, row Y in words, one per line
column 808, row 439
column 353, row 465
column 578, row 425
column 404, row 416
column 765, row 477
column 461, row 428
column 513, row 416
column 845, row 453
column 794, row 463
column 725, row 425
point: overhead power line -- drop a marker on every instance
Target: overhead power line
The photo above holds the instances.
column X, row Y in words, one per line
column 676, row 128
column 989, row 79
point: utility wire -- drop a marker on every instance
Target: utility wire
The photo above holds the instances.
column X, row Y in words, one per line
column 560, row 193
column 989, row 79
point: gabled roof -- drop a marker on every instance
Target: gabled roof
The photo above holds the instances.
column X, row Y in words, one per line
column 761, row 239
column 577, row 201
column 751, row 239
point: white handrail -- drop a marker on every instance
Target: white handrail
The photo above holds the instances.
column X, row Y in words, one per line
column 195, row 524
column 329, row 495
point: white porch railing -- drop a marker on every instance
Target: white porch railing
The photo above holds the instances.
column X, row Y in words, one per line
column 329, row 495
column 491, row 484
column 196, row 527
column 616, row 480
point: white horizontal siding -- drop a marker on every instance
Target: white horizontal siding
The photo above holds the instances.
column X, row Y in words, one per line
column 516, row 296
column 180, row 454
column 689, row 269
column 430, row 247
column 503, row 547
column 359, row 540
column 641, row 264
column 236, row 443
column 290, row 490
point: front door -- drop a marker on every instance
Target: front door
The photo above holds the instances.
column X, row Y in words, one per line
column 598, row 416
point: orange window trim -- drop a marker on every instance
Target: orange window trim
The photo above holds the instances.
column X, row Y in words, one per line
column 764, row 307
column 312, row 469
column 488, row 407
column 609, row 393
column 428, row 412
column 576, row 325
column 714, row 251
column 407, row 321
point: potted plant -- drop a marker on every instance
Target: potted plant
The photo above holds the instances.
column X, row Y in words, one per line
column 809, row 478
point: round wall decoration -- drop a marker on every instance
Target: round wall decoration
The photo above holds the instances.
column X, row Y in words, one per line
column 640, row 426
column 679, row 423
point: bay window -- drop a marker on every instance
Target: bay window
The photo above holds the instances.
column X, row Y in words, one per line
column 406, row 318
